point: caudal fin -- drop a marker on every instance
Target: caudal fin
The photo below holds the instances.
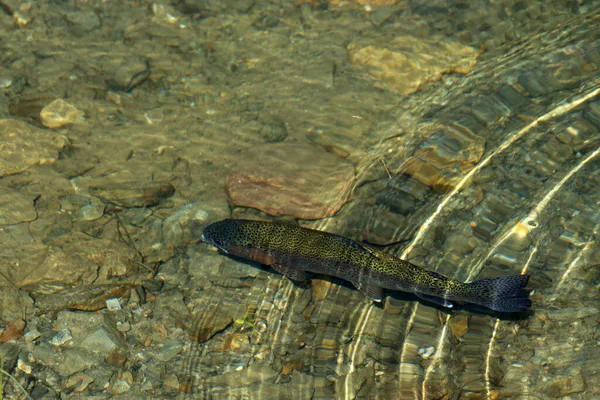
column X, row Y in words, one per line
column 505, row 294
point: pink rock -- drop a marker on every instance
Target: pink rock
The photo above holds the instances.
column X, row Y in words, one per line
column 300, row 180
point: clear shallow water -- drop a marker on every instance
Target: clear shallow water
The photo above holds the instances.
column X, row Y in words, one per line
column 503, row 180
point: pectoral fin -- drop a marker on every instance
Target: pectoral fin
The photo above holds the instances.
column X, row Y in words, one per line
column 293, row 274
column 435, row 300
column 373, row 291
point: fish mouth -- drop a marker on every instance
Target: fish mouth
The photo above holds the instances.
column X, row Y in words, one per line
column 214, row 243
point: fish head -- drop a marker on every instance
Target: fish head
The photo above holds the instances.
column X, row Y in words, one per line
column 226, row 235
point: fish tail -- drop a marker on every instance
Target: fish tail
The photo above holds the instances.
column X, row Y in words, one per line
column 505, row 294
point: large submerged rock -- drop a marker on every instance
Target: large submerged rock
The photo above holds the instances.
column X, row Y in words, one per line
column 303, row 181
column 409, row 62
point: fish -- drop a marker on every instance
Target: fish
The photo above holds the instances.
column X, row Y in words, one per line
column 293, row 250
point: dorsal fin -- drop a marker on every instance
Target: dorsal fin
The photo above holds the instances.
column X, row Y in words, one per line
column 438, row 276
column 349, row 242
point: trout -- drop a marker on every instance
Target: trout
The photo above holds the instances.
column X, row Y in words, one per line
column 293, row 250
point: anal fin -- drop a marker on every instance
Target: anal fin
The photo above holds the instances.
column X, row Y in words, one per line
column 293, row 274
column 373, row 291
column 436, row 300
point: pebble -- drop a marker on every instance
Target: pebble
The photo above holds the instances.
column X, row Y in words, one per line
column 120, row 387
column 113, row 304
column 459, row 324
column 62, row 337
column 12, row 331
column 123, row 326
column 169, row 350
column 59, row 113
column 80, row 381
column 172, row 382
column 22, row 366
column 101, row 341
column 73, row 361
column 5, row 82
column 31, row 336
column 426, row 352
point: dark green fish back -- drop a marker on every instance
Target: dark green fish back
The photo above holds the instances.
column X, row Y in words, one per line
column 289, row 247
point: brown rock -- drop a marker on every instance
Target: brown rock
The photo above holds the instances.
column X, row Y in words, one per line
column 292, row 366
column 233, row 342
column 300, row 180
column 459, row 324
column 209, row 322
column 409, row 62
column 13, row 331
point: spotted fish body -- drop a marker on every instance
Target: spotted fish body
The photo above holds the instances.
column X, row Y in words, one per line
column 292, row 250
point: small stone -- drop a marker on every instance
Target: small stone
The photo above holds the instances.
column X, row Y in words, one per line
column 459, row 324
column 172, row 382
column 22, row 366
column 116, row 358
column 5, row 82
column 426, row 352
column 22, row 17
column 120, row 387
column 274, row 131
column 12, row 331
column 126, row 74
column 234, row 342
column 127, row 376
column 73, row 361
column 80, row 380
column 103, row 340
column 292, row 366
column 113, row 304
column 164, row 14
column 59, row 113
column 260, row 325
column 62, row 337
column 169, row 350
column 123, row 326
column 31, row 336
